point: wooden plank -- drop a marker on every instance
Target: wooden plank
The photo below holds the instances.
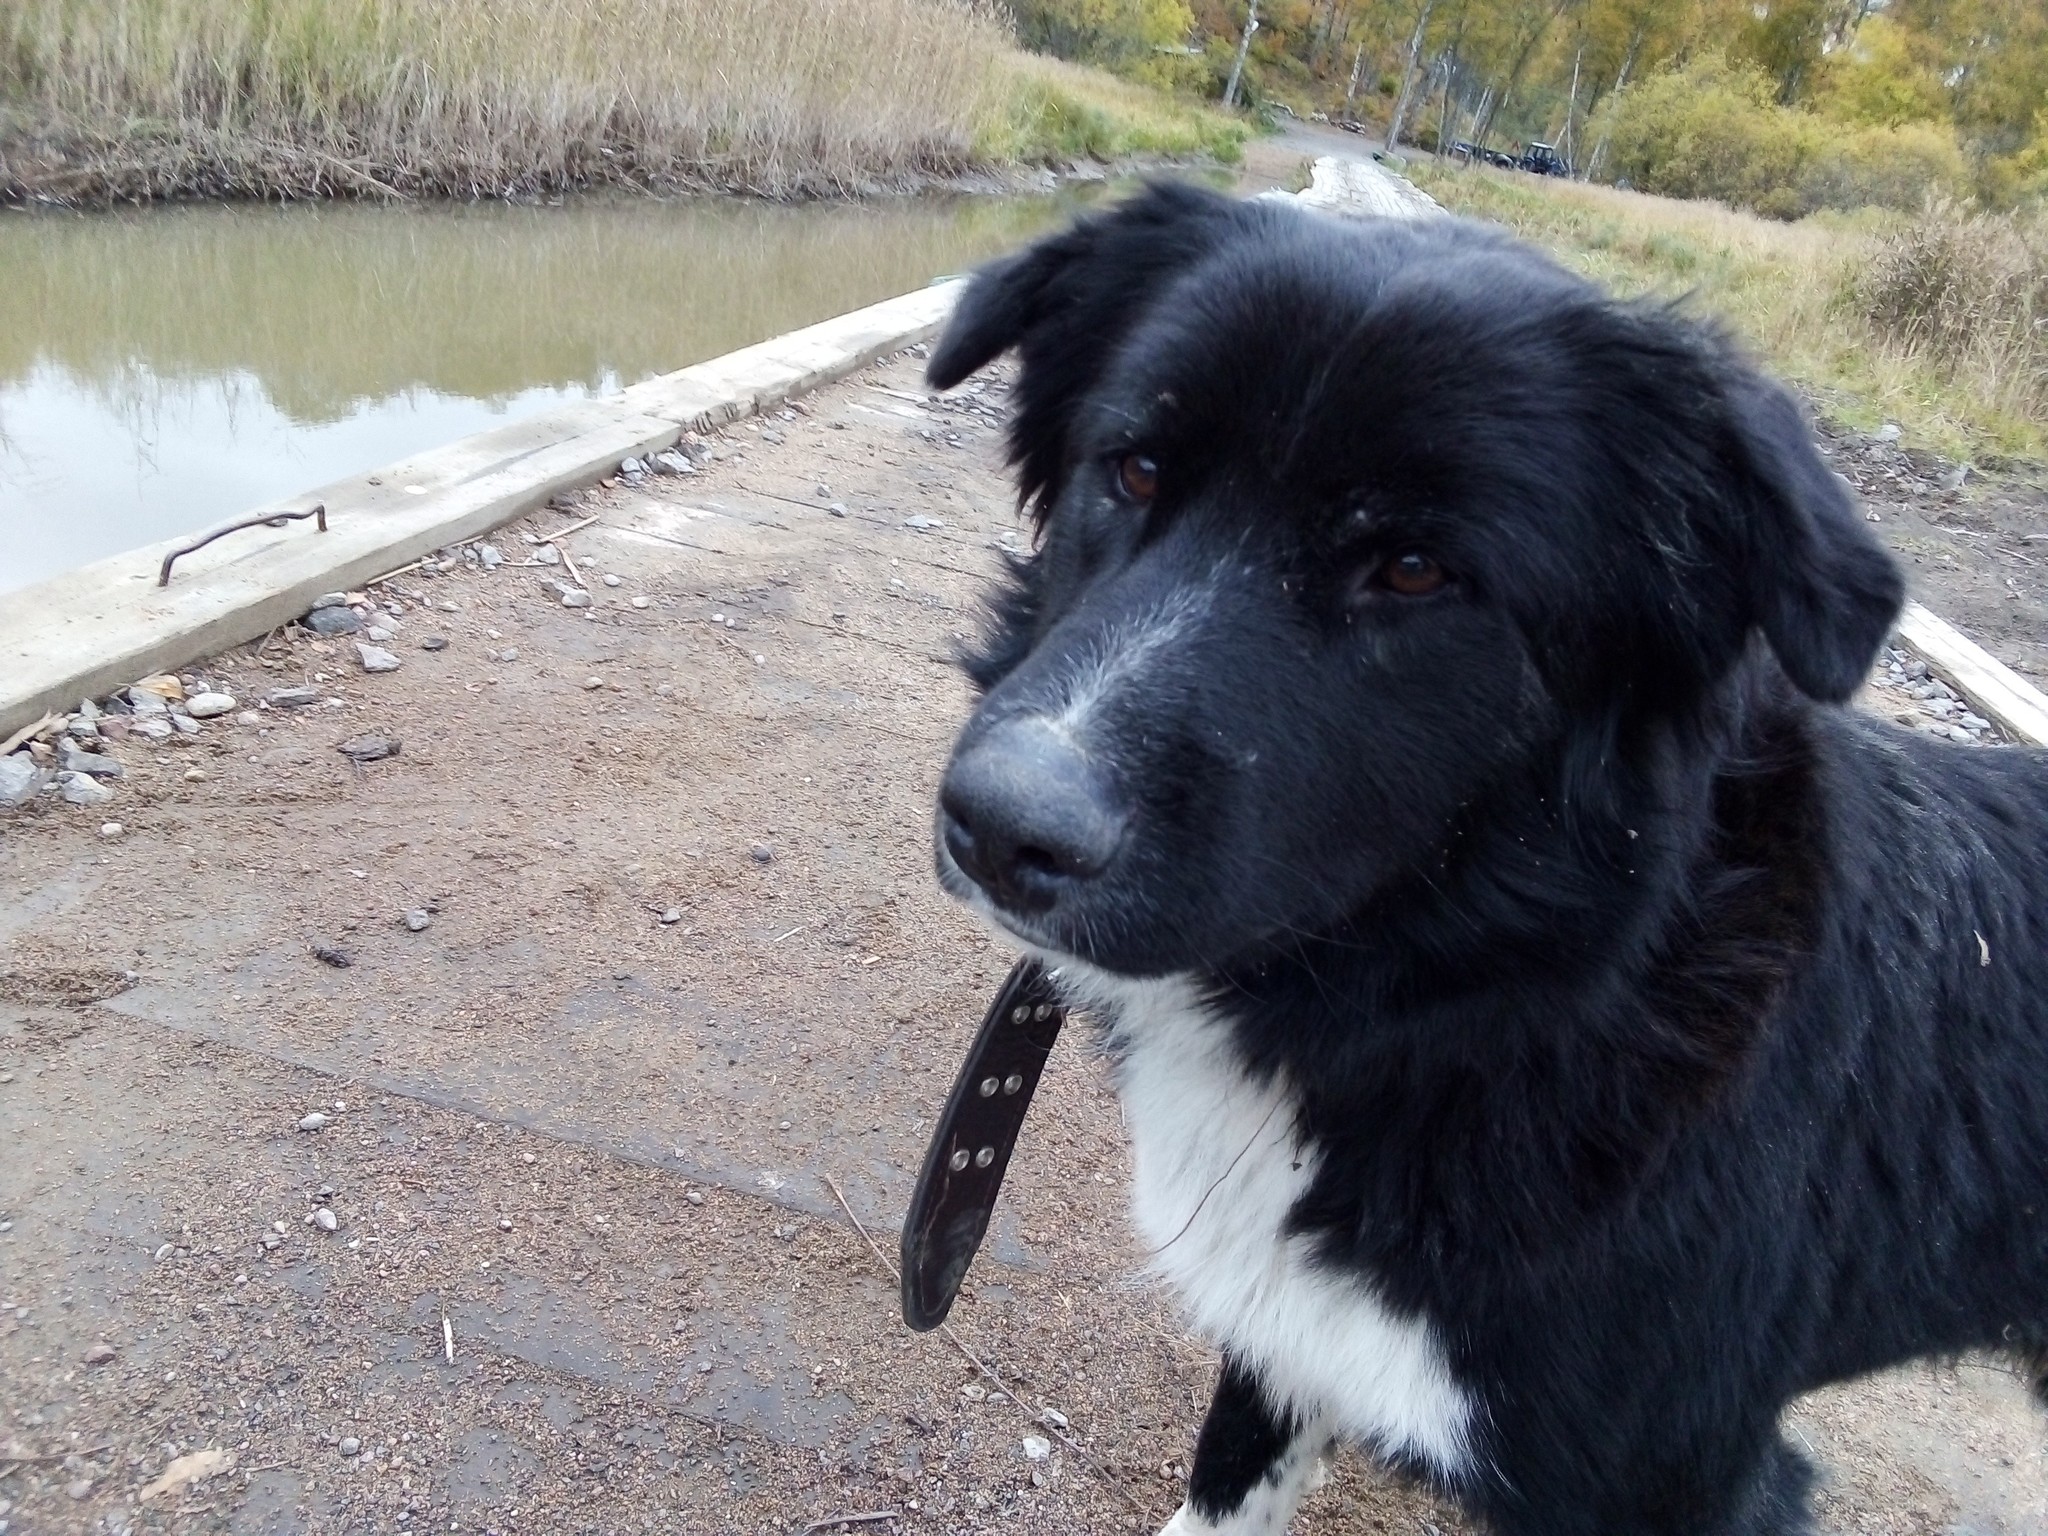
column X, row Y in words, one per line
column 1992, row 688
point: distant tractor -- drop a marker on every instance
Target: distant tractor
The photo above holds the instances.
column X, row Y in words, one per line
column 1543, row 160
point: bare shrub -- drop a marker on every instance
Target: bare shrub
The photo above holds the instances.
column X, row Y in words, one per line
column 1966, row 294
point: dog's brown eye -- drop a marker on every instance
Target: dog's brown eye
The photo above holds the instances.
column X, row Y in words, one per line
column 1412, row 574
column 1139, row 476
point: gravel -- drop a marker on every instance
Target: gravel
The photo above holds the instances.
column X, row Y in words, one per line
column 313, row 1122
column 73, row 758
column 20, row 779
column 419, row 920
column 333, row 621
column 376, row 659
column 369, row 749
column 83, row 789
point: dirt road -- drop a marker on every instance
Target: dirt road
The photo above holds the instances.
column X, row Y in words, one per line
column 683, row 972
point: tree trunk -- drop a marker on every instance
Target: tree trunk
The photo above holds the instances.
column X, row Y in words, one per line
column 1244, row 46
column 1351, row 91
column 1628, row 63
column 1408, row 75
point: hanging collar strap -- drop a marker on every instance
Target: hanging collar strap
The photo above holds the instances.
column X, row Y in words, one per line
column 970, row 1149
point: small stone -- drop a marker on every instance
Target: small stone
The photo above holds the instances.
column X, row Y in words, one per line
column 695, row 1197
column 248, row 717
column 763, row 853
column 593, row 682
column 79, row 1488
column 510, row 653
column 575, row 598
column 83, row 789
column 672, row 916
column 632, row 467
column 369, row 749
column 1954, row 480
column 672, row 463
column 434, row 643
column 75, row 759
column 184, row 724
column 333, row 621
column 379, row 635
column 547, row 554
column 101, row 1353
column 328, row 600
column 165, row 1252
column 195, row 775
column 643, row 602
column 923, row 524
column 204, row 706
column 1889, row 432
column 1036, row 1447
column 419, row 919
column 664, row 690
column 291, row 698
column 313, row 1122
column 111, row 829
column 20, row 779
column 610, row 580
column 376, row 659
column 504, row 1223
column 489, row 555
column 837, row 509
column 350, row 1446
column 325, row 1219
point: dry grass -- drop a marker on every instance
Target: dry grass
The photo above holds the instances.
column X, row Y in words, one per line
column 117, row 99
column 1965, row 296
column 1801, row 296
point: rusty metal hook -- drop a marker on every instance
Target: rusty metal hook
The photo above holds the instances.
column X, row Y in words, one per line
column 261, row 520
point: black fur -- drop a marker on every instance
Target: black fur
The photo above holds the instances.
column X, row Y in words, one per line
column 1676, row 1040
column 1242, row 1438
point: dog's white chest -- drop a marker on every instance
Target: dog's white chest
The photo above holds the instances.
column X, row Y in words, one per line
column 1218, row 1170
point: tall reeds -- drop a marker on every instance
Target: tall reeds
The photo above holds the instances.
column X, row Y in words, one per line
column 148, row 98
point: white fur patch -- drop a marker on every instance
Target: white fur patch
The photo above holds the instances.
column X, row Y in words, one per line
column 1218, row 1169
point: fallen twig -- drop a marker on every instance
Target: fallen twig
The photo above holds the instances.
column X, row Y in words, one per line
column 26, row 732
column 1037, row 1419
column 870, row 1518
column 31, row 1461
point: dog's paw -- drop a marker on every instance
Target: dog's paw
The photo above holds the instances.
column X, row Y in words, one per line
column 1186, row 1522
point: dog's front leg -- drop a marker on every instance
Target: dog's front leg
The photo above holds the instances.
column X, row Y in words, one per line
column 1253, row 1463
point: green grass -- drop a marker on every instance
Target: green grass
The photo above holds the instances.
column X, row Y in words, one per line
column 1793, row 292
column 138, row 99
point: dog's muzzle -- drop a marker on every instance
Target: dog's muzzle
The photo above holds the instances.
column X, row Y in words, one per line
column 1026, row 817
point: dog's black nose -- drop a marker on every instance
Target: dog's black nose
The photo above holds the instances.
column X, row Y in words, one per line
column 1024, row 815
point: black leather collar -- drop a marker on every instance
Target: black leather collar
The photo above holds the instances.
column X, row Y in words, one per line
column 970, row 1149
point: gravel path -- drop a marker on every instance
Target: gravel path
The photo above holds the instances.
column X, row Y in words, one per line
column 448, row 1140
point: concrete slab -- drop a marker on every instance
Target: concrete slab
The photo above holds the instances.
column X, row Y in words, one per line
column 95, row 629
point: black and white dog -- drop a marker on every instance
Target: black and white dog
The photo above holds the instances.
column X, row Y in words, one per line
column 1553, row 1031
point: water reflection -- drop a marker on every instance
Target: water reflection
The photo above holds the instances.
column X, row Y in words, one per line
column 166, row 370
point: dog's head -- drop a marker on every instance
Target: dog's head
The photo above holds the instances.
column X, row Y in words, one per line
column 1344, row 531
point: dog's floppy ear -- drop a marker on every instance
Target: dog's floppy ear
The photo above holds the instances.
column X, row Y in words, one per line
column 1825, row 591
column 1067, row 301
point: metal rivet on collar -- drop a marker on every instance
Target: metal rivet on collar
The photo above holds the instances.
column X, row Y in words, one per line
column 1010, row 1084
column 958, row 1160
column 1045, row 1010
column 984, row 1157
column 988, row 1087
column 1020, row 1013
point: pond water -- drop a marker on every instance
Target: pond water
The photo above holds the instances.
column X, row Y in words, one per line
column 167, row 370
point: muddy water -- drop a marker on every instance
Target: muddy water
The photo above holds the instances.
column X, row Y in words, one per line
column 164, row 371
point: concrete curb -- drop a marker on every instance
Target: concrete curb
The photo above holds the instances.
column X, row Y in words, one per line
column 90, row 631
